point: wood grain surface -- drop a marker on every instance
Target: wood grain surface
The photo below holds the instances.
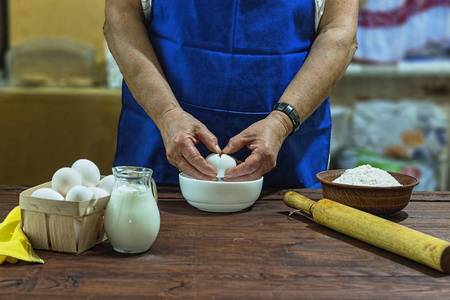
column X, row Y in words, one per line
column 259, row 253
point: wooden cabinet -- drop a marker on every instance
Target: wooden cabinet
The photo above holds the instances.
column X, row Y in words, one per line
column 44, row 129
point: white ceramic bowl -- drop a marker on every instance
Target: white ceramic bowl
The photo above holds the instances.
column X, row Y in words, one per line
column 220, row 196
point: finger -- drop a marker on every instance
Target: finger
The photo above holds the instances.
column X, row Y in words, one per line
column 249, row 177
column 253, row 163
column 188, row 169
column 186, row 157
column 236, row 143
column 208, row 139
column 194, row 159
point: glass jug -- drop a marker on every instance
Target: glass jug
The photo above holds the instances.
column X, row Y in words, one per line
column 132, row 216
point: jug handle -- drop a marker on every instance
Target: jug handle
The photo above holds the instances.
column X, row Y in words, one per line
column 155, row 192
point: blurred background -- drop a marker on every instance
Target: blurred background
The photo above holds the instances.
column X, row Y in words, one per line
column 60, row 90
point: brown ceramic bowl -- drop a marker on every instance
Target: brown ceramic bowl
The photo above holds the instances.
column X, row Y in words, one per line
column 374, row 200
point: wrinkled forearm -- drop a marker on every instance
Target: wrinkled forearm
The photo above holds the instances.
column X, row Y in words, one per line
column 329, row 57
column 128, row 42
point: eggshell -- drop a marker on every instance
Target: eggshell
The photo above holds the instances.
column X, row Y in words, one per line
column 64, row 179
column 80, row 193
column 221, row 162
column 98, row 192
column 47, row 193
column 89, row 172
column 107, row 183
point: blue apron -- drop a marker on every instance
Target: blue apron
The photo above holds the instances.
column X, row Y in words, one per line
column 228, row 62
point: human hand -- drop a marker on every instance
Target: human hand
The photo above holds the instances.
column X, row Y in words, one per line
column 180, row 132
column 264, row 138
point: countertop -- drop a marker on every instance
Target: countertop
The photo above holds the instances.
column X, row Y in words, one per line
column 258, row 253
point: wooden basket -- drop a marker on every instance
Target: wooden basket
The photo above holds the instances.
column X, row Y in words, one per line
column 51, row 224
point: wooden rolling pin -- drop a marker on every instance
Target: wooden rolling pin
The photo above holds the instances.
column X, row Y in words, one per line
column 376, row 231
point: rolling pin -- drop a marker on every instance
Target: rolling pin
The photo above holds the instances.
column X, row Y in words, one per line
column 379, row 232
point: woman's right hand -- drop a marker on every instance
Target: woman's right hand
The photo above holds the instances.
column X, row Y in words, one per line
column 127, row 38
column 181, row 132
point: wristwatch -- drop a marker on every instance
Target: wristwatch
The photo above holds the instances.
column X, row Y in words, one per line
column 290, row 112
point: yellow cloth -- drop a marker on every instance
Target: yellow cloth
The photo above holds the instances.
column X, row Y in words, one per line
column 14, row 244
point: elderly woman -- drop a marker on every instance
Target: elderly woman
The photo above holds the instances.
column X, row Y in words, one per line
column 246, row 78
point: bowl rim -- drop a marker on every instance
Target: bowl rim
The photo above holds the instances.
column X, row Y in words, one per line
column 406, row 186
column 187, row 177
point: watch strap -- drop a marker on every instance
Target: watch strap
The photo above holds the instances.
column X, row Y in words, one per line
column 291, row 113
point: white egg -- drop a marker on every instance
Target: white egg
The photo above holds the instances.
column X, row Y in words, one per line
column 98, row 192
column 221, row 162
column 64, row 179
column 80, row 193
column 47, row 193
column 107, row 183
column 89, row 171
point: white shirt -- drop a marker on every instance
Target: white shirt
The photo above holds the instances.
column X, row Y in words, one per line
column 320, row 7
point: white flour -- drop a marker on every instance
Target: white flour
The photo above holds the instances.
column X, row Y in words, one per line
column 366, row 175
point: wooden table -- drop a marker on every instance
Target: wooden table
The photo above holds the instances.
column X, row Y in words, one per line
column 258, row 253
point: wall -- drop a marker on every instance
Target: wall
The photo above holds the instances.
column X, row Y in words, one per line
column 44, row 129
column 81, row 20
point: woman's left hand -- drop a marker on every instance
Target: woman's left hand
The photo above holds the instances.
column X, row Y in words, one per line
column 264, row 138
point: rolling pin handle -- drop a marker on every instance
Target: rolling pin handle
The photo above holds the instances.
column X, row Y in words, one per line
column 295, row 200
